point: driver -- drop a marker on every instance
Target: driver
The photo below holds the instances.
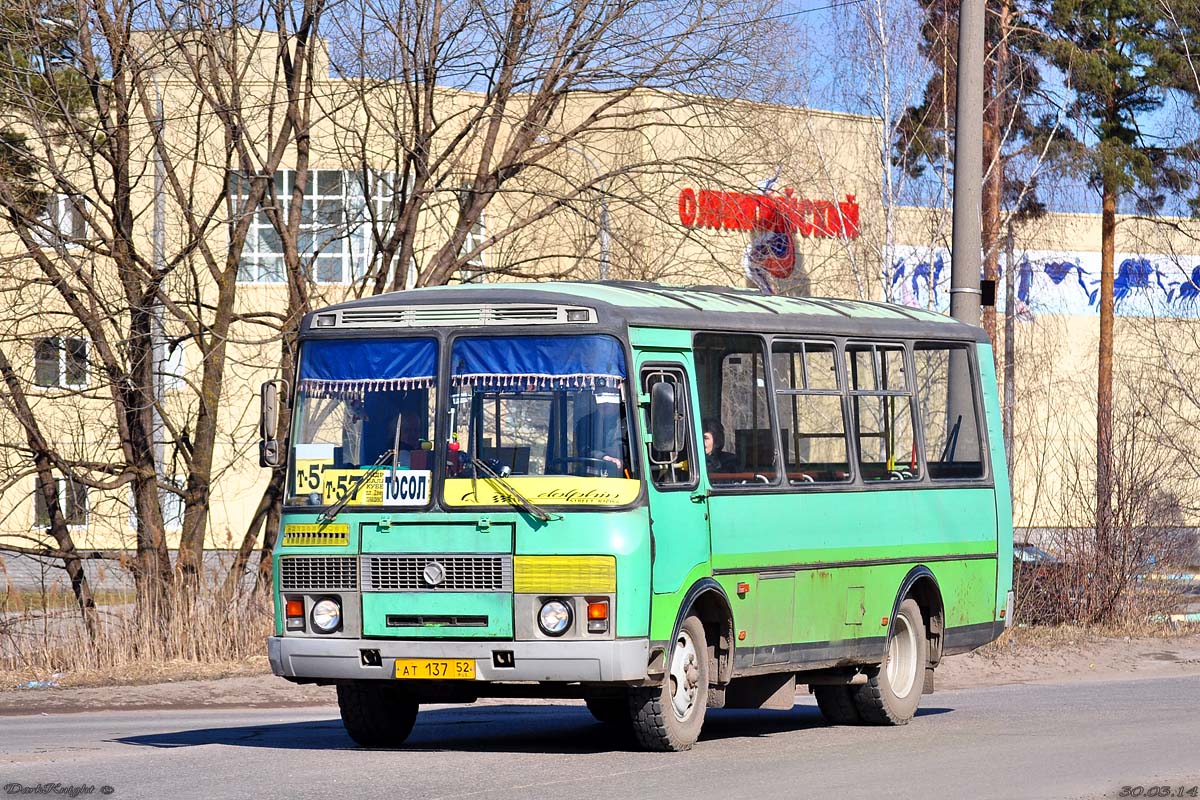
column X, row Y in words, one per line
column 604, row 432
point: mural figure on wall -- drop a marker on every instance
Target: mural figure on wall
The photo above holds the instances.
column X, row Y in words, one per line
column 1050, row 282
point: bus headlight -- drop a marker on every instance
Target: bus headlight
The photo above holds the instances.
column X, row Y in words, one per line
column 554, row 618
column 326, row 615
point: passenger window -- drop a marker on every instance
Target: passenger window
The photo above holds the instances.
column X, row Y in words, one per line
column 671, row 469
column 809, row 400
column 946, row 402
column 739, row 440
column 881, row 403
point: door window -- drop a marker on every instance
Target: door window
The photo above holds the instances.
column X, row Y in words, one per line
column 674, row 467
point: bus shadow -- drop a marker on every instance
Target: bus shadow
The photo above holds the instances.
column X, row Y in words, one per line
column 497, row 728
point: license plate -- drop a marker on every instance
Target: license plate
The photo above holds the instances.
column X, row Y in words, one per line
column 442, row 669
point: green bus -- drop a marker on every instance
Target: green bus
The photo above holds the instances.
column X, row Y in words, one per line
column 657, row 499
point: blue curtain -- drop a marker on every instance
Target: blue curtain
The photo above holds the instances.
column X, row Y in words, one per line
column 349, row 366
column 519, row 362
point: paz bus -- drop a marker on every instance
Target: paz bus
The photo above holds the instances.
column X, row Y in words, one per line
column 656, row 499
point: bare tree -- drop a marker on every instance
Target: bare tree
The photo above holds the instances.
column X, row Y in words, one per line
column 169, row 115
column 483, row 137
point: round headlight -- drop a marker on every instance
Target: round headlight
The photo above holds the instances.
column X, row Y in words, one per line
column 327, row 615
column 554, row 618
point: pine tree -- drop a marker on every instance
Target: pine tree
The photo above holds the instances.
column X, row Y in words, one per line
column 35, row 60
column 1122, row 61
column 1012, row 128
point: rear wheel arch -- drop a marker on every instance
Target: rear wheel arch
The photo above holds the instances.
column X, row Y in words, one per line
column 921, row 585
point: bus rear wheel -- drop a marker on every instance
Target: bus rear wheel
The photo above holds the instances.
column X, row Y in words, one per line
column 893, row 691
column 837, row 704
column 376, row 713
column 669, row 717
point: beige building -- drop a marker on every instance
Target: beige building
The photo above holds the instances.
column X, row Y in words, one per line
column 697, row 191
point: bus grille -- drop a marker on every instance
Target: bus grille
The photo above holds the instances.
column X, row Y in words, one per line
column 318, row 573
column 406, row 573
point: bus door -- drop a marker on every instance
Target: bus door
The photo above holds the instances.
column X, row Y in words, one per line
column 678, row 508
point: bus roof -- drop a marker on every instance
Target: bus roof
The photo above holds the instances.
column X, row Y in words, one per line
column 644, row 304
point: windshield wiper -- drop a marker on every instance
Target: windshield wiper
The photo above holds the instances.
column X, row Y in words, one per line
column 514, row 497
column 329, row 514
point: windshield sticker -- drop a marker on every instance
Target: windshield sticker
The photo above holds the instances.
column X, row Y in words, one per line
column 375, row 487
column 552, row 491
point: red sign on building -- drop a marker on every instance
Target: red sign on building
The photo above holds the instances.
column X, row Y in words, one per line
column 785, row 213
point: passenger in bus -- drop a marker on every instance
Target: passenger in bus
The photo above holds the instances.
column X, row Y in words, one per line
column 715, row 457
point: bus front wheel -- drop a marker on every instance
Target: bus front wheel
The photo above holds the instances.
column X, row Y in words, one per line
column 610, row 710
column 669, row 717
column 893, row 691
column 376, row 713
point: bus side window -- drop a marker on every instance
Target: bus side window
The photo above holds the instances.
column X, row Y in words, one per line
column 809, row 404
column 671, row 469
column 881, row 405
column 946, row 402
column 735, row 409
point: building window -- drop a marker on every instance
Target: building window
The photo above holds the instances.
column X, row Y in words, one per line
column 173, row 366
column 946, row 403
column 809, row 402
column 334, row 239
column 64, row 220
column 171, row 504
column 881, row 398
column 475, row 266
column 72, row 501
column 60, row 362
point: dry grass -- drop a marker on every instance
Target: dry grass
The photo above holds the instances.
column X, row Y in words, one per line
column 190, row 638
column 1057, row 637
column 16, row 601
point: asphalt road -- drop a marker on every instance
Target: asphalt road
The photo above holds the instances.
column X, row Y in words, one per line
column 1077, row 740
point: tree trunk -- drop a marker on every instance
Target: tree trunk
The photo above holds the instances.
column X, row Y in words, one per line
column 1010, row 350
column 992, row 187
column 58, row 527
column 1104, row 386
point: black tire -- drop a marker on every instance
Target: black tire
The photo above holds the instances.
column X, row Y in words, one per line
column 610, row 710
column 837, row 704
column 376, row 713
column 893, row 692
column 657, row 725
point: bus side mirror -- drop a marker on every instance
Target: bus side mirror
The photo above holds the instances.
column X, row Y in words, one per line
column 665, row 433
column 269, row 454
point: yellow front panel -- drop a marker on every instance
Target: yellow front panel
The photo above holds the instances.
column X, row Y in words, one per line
column 316, row 535
column 564, row 574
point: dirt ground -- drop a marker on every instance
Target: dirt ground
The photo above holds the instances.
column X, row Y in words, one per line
column 1018, row 657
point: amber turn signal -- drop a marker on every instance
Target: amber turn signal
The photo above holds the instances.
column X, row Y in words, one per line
column 295, row 607
column 597, row 617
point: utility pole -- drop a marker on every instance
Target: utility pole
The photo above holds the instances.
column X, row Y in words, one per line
column 966, row 248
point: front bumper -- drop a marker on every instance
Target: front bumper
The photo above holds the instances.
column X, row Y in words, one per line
column 621, row 660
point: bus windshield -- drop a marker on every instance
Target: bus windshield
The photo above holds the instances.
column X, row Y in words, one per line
column 545, row 413
column 363, row 407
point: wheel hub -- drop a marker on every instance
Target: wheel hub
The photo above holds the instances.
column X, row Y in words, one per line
column 684, row 676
